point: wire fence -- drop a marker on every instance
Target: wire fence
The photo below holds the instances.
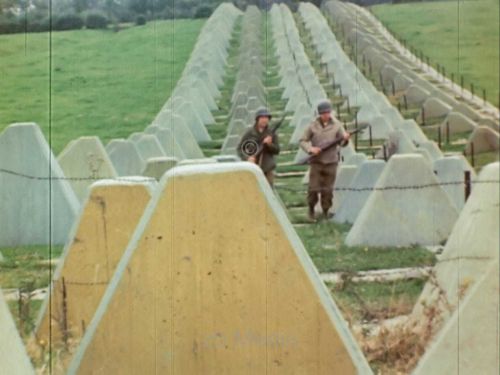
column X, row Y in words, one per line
column 465, row 182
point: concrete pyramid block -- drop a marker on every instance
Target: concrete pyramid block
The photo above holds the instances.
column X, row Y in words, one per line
column 197, row 161
column 167, row 141
column 416, row 94
column 413, row 131
column 182, row 134
column 25, row 202
column 400, row 211
column 484, row 138
column 362, row 184
column 195, row 124
column 472, row 246
column 433, row 108
column 149, row 146
column 190, row 296
column 356, row 159
column 157, row 167
column 85, row 160
column 106, row 224
column 13, row 357
column 457, row 123
column 450, row 171
column 469, row 342
column 125, row 157
column 381, row 128
column 433, row 149
column 345, row 175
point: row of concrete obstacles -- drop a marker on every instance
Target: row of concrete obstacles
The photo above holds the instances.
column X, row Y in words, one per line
column 460, row 302
column 139, row 291
column 301, row 87
column 249, row 93
column 416, row 83
column 40, row 196
column 463, row 296
column 390, row 194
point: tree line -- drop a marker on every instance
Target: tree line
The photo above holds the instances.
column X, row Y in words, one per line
column 42, row 15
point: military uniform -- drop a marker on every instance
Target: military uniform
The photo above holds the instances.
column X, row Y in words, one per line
column 323, row 167
column 266, row 159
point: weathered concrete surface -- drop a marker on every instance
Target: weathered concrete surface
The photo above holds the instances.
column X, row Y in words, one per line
column 469, row 342
column 345, row 175
column 451, row 172
column 157, row 167
column 457, row 123
column 34, row 211
column 200, row 292
column 167, row 141
column 107, row 222
column 433, row 108
column 398, row 214
column 85, row 160
column 125, row 157
column 149, row 147
column 363, row 181
column 182, row 134
column 13, row 357
column 197, row 161
column 472, row 246
column 484, row 139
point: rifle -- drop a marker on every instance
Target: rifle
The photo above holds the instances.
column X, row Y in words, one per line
column 328, row 146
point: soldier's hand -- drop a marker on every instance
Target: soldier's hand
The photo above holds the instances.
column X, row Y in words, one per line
column 268, row 140
column 252, row 159
column 347, row 136
column 315, row 150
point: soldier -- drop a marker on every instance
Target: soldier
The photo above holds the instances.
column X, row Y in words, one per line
column 258, row 136
column 323, row 166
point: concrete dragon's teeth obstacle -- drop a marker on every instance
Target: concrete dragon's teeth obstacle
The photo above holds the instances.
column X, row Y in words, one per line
column 198, row 291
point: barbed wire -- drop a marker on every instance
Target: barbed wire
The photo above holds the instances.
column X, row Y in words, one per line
column 390, row 187
column 83, row 178
column 277, row 186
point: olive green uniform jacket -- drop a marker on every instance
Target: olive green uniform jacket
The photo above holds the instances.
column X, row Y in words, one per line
column 267, row 162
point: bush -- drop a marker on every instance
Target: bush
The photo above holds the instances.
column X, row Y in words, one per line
column 140, row 20
column 37, row 26
column 96, row 20
column 11, row 26
column 203, row 11
column 68, row 22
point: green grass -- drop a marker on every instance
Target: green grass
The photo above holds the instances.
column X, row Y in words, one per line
column 377, row 300
column 463, row 36
column 26, row 267
column 325, row 243
column 103, row 83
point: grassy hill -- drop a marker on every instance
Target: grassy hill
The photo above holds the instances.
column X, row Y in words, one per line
column 463, row 36
column 102, row 83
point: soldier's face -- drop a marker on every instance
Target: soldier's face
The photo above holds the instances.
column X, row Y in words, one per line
column 326, row 116
column 263, row 122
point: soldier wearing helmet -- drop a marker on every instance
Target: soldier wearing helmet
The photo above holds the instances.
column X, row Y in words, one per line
column 323, row 166
column 259, row 136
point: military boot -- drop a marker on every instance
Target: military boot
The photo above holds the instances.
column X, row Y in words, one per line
column 311, row 214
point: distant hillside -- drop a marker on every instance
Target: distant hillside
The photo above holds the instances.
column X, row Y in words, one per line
column 462, row 36
column 103, row 83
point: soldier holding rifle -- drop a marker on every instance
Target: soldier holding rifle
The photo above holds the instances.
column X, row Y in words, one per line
column 324, row 130
column 259, row 144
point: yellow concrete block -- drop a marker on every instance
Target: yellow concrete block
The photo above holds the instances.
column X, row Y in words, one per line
column 106, row 225
column 216, row 281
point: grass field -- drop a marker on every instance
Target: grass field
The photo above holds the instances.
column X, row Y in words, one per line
column 463, row 36
column 103, row 83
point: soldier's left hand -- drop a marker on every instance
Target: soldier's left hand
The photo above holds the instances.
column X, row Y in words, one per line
column 347, row 136
column 268, row 140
